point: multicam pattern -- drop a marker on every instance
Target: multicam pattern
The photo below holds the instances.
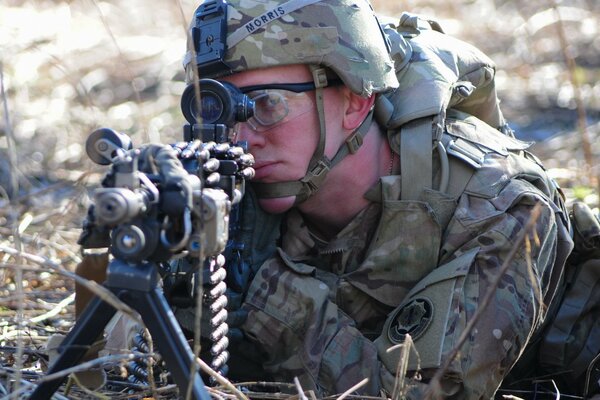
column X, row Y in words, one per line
column 443, row 72
column 322, row 311
column 319, row 310
column 343, row 35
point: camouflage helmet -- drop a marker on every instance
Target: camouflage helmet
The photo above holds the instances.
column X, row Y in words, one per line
column 343, row 35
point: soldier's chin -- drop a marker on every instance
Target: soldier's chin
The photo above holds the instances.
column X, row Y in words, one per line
column 278, row 205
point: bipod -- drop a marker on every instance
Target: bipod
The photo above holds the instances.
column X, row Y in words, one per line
column 137, row 286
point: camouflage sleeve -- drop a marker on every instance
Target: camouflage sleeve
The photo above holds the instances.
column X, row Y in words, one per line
column 489, row 229
column 305, row 334
column 293, row 319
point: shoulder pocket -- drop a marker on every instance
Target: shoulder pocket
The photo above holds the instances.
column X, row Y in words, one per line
column 424, row 315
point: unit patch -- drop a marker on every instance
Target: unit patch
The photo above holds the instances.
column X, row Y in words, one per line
column 413, row 318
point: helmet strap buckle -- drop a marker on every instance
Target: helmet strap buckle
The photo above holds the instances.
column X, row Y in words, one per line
column 354, row 142
column 320, row 77
column 316, row 175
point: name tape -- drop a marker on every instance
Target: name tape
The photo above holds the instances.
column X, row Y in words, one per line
column 269, row 16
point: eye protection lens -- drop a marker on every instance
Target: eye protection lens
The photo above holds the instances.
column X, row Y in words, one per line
column 272, row 106
column 274, row 102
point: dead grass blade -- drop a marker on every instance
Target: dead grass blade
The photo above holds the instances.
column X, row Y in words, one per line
column 588, row 154
column 402, row 369
column 99, row 290
column 11, row 147
column 353, row 389
column 220, row 379
column 127, row 69
column 55, row 311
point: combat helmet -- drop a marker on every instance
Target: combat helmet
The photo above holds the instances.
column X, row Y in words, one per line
column 339, row 36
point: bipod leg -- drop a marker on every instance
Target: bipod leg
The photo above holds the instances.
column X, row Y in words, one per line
column 171, row 343
column 137, row 286
column 143, row 294
column 87, row 329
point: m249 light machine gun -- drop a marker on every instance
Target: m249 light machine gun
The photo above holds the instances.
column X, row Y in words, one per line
column 158, row 203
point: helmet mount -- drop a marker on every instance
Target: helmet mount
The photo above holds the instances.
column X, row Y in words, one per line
column 208, row 39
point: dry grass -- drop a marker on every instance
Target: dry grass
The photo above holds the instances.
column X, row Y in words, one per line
column 68, row 67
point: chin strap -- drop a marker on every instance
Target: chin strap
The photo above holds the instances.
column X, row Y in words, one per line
column 319, row 164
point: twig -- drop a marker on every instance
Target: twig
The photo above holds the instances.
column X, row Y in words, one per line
column 20, row 304
column 55, row 311
column 353, row 388
column 218, row 395
column 99, row 290
column 581, row 113
column 58, row 185
column 299, row 389
column 130, row 75
column 215, row 394
column 220, row 379
column 434, row 384
column 82, row 367
column 358, row 397
column 47, row 306
column 184, row 22
column 30, row 385
column 47, row 243
column 588, row 375
column 25, row 268
column 17, row 333
column 150, row 361
column 29, row 352
column 402, row 369
column 530, row 268
column 10, row 139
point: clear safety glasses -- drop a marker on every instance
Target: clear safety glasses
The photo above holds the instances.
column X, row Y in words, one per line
column 274, row 102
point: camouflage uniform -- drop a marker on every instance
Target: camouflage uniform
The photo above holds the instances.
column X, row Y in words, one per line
column 327, row 312
column 319, row 309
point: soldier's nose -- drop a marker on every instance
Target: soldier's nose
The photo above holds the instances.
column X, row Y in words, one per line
column 244, row 132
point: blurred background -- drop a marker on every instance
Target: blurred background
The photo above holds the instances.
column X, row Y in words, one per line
column 69, row 67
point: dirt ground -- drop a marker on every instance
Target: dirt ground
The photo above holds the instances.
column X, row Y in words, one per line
column 69, row 67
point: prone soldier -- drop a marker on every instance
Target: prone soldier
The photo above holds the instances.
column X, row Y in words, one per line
column 391, row 194
column 391, row 201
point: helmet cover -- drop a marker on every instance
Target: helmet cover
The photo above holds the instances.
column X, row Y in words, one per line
column 342, row 35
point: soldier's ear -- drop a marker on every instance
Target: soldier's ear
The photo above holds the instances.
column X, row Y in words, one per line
column 357, row 108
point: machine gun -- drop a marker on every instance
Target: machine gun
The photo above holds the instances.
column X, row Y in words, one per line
column 158, row 203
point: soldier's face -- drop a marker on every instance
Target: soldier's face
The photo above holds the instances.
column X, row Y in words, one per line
column 283, row 150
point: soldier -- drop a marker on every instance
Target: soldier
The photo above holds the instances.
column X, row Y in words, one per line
column 391, row 204
column 391, row 194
